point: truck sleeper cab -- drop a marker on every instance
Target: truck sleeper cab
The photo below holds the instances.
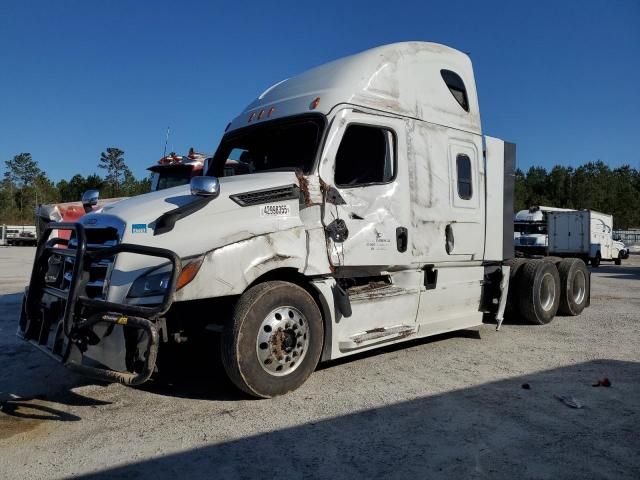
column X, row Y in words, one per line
column 374, row 211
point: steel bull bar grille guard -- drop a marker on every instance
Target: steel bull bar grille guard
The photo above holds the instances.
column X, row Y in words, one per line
column 73, row 314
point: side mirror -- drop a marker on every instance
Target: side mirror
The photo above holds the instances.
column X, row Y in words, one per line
column 90, row 199
column 205, row 186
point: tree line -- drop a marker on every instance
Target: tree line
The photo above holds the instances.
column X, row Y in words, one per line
column 25, row 185
column 592, row 186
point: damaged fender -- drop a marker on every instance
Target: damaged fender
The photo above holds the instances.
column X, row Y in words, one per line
column 230, row 269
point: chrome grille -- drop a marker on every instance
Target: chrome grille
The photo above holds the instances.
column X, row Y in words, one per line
column 99, row 270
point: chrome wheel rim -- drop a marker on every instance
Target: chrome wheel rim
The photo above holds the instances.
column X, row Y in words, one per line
column 579, row 287
column 547, row 292
column 282, row 341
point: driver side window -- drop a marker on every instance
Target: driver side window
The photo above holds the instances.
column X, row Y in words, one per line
column 365, row 156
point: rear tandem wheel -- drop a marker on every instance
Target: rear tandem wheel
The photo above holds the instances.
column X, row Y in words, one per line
column 539, row 291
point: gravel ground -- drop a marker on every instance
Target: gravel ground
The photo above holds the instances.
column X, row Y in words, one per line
column 452, row 406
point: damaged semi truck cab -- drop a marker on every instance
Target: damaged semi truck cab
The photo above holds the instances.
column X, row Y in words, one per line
column 374, row 211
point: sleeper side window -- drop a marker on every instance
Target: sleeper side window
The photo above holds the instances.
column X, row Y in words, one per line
column 456, row 87
column 365, row 156
column 463, row 171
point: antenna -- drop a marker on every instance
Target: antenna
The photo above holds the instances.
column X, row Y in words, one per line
column 166, row 140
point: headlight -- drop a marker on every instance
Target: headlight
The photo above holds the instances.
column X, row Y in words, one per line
column 150, row 285
column 156, row 282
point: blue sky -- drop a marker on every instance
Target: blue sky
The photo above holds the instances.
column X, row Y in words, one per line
column 559, row 78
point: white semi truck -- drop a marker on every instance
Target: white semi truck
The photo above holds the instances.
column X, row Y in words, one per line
column 374, row 211
column 586, row 234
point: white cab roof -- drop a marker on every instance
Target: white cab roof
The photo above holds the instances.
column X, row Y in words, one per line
column 401, row 78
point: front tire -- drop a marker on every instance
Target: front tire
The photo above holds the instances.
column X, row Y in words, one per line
column 274, row 340
column 618, row 261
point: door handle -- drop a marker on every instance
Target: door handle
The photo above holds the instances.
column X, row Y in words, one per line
column 402, row 239
column 449, row 240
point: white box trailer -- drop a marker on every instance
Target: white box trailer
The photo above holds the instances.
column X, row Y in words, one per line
column 373, row 211
column 530, row 230
column 586, row 234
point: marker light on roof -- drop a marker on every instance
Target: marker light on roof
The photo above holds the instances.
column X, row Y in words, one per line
column 271, row 110
column 253, row 114
column 315, row 103
column 261, row 114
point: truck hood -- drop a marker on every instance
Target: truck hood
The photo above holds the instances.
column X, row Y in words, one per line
column 220, row 222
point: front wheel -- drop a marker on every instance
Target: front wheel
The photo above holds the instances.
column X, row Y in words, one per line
column 274, row 340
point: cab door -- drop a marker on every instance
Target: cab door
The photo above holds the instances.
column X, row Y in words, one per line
column 366, row 210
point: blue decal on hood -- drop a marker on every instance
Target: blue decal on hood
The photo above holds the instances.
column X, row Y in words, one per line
column 139, row 228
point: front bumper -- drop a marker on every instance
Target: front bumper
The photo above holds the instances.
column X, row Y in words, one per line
column 69, row 325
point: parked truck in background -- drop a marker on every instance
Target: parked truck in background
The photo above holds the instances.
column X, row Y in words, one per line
column 170, row 171
column 174, row 170
column 373, row 211
column 18, row 235
column 530, row 230
column 585, row 234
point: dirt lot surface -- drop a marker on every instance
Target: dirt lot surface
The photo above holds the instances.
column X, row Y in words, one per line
column 449, row 407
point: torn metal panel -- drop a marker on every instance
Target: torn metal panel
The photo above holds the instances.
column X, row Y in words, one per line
column 230, row 269
column 376, row 336
column 317, row 260
column 374, row 290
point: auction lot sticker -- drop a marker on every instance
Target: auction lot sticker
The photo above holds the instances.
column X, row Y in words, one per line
column 275, row 210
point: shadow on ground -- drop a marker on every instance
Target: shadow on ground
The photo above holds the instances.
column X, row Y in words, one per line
column 195, row 371
column 32, row 386
column 622, row 272
column 492, row 430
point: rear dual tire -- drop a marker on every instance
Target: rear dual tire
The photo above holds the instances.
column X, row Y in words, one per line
column 539, row 291
column 574, row 285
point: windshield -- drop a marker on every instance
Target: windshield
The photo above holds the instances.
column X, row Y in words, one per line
column 168, row 179
column 277, row 145
column 529, row 228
